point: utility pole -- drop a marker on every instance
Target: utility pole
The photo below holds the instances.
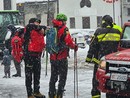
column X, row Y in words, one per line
column 57, row 6
column 121, row 4
column 48, row 12
column 113, row 10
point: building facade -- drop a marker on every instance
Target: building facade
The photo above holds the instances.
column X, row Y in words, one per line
column 87, row 14
column 37, row 9
column 82, row 14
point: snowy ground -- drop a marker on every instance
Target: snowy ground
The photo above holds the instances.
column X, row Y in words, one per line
column 15, row 87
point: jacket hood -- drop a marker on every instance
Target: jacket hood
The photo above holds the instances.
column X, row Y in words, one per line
column 119, row 56
column 6, row 52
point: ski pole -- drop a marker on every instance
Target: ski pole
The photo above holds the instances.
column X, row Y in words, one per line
column 75, row 72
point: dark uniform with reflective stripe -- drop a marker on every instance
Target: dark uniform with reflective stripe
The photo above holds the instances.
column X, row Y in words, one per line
column 105, row 41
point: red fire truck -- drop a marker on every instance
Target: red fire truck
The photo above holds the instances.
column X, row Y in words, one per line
column 113, row 73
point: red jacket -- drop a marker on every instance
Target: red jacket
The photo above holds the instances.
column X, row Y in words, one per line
column 68, row 41
column 36, row 42
column 17, row 51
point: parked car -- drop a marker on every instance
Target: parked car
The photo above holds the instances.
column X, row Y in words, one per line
column 113, row 73
column 80, row 39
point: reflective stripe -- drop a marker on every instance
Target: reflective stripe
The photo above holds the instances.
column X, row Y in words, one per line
column 96, row 96
column 96, row 60
column 109, row 37
column 88, row 59
column 117, row 27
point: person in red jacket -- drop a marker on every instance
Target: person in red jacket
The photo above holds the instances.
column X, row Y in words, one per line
column 17, row 50
column 33, row 46
column 59, row 62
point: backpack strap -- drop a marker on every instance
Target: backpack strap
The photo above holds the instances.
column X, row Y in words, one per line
column 64, row 34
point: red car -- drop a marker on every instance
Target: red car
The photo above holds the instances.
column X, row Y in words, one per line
column 113, row 73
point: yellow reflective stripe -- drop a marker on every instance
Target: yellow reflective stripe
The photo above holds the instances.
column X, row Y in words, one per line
column 96, row 96
column 88, row 59
column 96, row 60
column 108, row 37
column 117, row 27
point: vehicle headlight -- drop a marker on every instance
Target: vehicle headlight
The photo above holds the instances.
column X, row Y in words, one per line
column 102, row 64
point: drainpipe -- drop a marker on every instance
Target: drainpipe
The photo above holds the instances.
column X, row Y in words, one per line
column 48, row 12
column 57, row 6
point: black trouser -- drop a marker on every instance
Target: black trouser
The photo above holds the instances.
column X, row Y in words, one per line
column 94, row 90
column 7, row 70
column 58, row 68
column 115, row 96
column 17, row 67
column 32, row 68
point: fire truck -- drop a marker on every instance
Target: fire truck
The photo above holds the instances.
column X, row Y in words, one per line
column 113, row 73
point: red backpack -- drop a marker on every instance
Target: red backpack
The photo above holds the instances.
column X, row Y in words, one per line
column 17, row 51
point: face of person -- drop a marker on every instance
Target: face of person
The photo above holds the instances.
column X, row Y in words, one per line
column 36, row 23
column 64, row 22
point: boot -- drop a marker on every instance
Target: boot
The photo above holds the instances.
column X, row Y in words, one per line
column 51, row 95
column 31, row 96
column 4, row 76
column 59, row 94
column 39, row 95
column 96, row 96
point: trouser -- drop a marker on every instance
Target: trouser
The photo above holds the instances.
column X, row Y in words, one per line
column 94, row 90
column 7, row 70
column 17, row 67
column 115, row 96
column 32, row 71
column 58, row 68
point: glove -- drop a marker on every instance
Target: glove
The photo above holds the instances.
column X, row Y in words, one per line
column 76, row 48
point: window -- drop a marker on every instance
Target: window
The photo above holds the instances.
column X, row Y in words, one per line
column 7, row 4
column 38, row 16
column 72, row 22
column 86, row 22
column 99, row 19
column 128, row 11
column 126, row 33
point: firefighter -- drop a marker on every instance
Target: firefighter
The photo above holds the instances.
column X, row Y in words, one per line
column 104, row 41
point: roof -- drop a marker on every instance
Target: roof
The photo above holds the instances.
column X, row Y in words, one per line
column 23, row 1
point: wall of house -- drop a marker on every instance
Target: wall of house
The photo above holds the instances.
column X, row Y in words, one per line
column 125, row 6
column 1, row 5
column 99, row 8
column 32, row 9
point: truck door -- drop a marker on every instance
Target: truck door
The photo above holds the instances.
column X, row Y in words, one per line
column 125, row 38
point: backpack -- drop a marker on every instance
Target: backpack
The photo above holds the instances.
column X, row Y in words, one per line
column 53, row 44
column 17, row 51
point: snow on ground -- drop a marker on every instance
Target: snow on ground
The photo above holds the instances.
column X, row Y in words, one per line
column 14, row 87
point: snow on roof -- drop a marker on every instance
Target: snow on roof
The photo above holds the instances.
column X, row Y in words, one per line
column 22, row 1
